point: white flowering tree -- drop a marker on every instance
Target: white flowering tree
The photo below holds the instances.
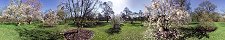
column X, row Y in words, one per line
column 165, row 17
column 50, row 19
column 21, row 11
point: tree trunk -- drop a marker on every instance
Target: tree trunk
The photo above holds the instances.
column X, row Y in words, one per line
column 107, row 19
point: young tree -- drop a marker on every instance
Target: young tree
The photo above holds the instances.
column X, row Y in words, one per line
column 61, row 13
column 166, row 17
column 107, row 9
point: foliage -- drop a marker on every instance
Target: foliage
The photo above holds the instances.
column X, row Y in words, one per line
column 39, row 34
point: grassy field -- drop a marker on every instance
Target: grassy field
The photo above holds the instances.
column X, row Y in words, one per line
column 129, row 32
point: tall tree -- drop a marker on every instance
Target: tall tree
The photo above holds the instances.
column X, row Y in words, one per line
column 204, row 11
column 82, row 9
column 107, row 9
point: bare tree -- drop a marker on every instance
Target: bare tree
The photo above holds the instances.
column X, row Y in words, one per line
column 83, row 9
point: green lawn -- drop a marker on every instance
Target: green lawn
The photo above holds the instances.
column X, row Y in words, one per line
column 128, row 32
column 7, row 32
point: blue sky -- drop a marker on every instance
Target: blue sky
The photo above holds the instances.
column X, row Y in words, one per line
column 46, row 4
column 118, row 5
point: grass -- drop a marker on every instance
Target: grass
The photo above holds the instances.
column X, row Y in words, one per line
column 128, row 32
column 219, row 34
column 7, row 32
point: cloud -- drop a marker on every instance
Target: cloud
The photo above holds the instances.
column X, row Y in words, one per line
column 118, row 5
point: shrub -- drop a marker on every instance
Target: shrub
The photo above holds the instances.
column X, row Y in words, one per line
column 39, row 34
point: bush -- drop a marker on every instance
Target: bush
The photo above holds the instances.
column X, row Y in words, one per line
column 39, row 34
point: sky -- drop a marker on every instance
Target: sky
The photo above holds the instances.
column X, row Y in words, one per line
column 46, row 4
column 119, row 5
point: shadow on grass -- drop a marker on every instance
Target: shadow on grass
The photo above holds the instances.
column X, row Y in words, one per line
column 198, row 31
column 137, row 24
